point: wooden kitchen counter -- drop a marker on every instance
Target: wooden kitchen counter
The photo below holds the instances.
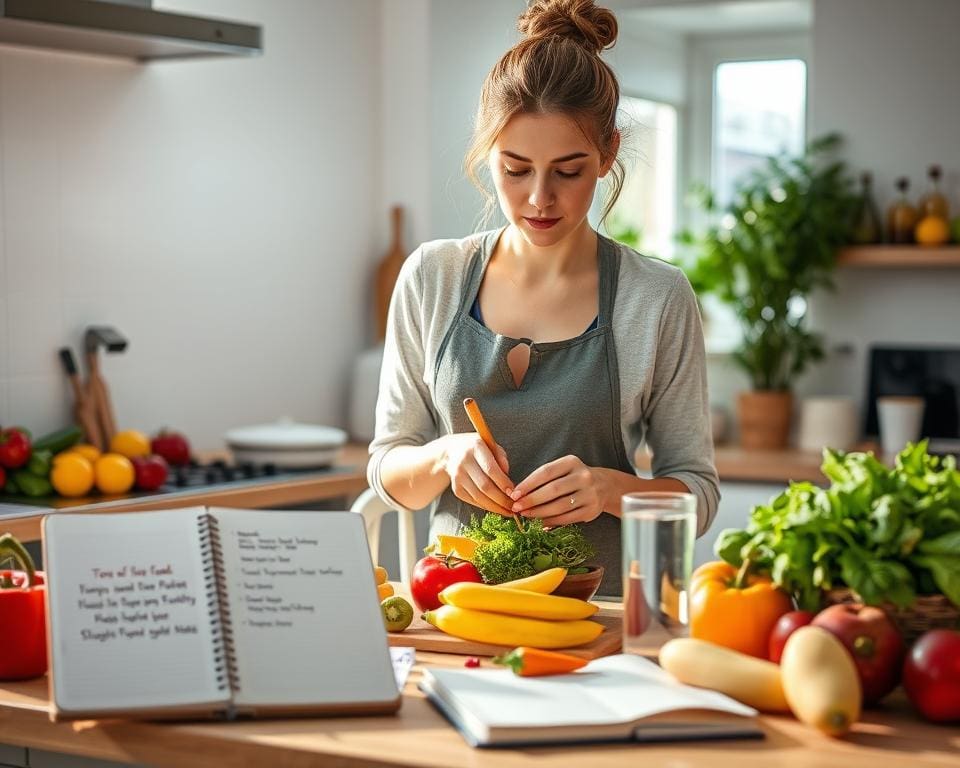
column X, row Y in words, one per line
column 419, row 736
column 347, row 477
column 736, row 464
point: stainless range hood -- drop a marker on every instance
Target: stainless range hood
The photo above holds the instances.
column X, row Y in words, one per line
column 112, row 29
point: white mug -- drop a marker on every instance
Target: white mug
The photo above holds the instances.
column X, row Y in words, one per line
column 827, row 422
column 901, row 419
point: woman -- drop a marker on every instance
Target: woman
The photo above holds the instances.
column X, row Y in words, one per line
column 575, row 347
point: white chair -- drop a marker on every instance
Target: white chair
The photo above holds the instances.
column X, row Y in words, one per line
column 373, row 509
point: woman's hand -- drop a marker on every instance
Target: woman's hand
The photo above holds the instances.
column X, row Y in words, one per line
column 561, row 492
column 476, row 475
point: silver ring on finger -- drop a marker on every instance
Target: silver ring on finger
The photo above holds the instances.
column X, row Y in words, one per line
column 573, row 501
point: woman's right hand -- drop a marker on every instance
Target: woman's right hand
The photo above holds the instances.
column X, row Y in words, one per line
column 477, row 476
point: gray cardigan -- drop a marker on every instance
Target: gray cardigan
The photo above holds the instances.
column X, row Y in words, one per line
column 661, row 360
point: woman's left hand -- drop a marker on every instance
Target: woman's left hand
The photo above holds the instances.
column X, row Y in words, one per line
column 561, row 492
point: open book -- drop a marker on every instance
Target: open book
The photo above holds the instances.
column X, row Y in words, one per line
column 615, row 698
column 220, row 612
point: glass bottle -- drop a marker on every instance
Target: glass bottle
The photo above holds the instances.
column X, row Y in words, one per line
column 867, row 228
column 901, row 216
column 934, row 203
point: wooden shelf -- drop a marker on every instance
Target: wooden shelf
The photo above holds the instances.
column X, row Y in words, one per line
column 900, row 256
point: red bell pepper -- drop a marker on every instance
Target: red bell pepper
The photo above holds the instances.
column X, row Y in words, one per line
column 22, row 598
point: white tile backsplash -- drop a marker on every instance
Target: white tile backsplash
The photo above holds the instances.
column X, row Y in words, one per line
column 220, row 214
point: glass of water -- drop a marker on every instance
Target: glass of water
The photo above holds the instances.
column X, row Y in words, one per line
column 657, row 531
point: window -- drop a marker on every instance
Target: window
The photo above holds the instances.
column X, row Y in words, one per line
column 644, row 216
column 759, row 110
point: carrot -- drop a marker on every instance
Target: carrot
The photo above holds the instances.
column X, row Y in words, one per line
column 532, row 662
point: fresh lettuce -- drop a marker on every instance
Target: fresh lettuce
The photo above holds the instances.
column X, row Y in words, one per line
column 888, row 533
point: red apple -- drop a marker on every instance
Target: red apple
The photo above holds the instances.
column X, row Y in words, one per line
column 931, row 675
column 150, row 472
column 173, row 446
column 873, row 641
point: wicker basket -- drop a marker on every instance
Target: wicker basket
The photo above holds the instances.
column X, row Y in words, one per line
column 926, row 612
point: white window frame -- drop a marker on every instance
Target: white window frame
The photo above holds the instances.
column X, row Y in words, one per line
column 705, row 55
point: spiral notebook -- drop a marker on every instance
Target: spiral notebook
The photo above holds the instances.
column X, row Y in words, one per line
column 214, row 613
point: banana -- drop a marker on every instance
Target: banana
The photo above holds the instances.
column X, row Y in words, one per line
column 515, row 602
column 544, row 582
column 484, row 627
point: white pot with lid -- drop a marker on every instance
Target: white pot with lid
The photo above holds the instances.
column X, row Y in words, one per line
column 286, row 443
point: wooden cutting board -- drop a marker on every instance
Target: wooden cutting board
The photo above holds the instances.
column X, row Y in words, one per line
column 387, row 272
column 424, row 637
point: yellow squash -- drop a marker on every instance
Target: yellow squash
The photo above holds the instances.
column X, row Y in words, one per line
column 515, row 602
column 485, row 627
column 544, row 582
column 821, row 681
column 755, row 682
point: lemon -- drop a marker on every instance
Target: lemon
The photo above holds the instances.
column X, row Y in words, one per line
column 397, row 613
column 114, row 473
column 932, row 230
column 72, row 475
column 130, row 443
column 90, row 452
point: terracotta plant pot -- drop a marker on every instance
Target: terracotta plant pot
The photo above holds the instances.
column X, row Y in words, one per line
column 582, row 586
column 764, row 419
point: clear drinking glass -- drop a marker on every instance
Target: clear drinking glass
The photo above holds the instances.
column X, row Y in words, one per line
column 658, row 530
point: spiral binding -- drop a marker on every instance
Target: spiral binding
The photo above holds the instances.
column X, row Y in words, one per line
column 221, row 625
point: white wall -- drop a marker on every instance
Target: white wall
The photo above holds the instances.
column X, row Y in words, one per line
column 222, row 214
column 884, row 75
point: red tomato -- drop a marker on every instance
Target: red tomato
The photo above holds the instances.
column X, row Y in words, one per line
column 931, row 675
column 150, row 472
column 14, row 448
column 172, row 446
column 873, row 641
column 785, row 626
column 432, row 574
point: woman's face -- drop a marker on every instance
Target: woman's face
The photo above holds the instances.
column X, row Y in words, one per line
column 545, row 171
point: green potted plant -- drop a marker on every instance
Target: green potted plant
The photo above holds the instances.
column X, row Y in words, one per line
column 773, row 245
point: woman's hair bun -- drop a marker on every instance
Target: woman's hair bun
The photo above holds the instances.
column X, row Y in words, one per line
column 580, row 20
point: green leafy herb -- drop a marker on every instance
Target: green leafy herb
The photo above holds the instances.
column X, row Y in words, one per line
column 505, row 553
column 887, row 533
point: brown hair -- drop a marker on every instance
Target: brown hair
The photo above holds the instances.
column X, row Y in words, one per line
column 555, row 69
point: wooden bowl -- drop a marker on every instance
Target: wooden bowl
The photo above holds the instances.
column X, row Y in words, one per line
column 582, row 586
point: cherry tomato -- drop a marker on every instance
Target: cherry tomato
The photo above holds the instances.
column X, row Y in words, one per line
column 785, row 626
column 14, row 448
column 432, row 574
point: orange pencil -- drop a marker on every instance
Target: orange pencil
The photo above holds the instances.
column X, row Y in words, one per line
column 480, row 424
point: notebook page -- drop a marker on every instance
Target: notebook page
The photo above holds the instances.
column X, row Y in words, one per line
column 306, row 619
column 130, row 621
column 614, row 689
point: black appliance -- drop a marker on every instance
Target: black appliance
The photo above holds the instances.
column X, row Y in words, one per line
column 932, row 373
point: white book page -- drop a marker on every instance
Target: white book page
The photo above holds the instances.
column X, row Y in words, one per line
column 306, row 619
column 613, row 689
column 129, row 616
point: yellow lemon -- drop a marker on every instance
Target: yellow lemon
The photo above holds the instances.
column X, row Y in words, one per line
column 114, row 473
column 72, row 475
column 90, row 452
column 130, row 443
column 932, row 230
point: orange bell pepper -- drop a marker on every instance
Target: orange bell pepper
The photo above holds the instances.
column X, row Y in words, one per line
column 735, row 608
column 22, row 598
